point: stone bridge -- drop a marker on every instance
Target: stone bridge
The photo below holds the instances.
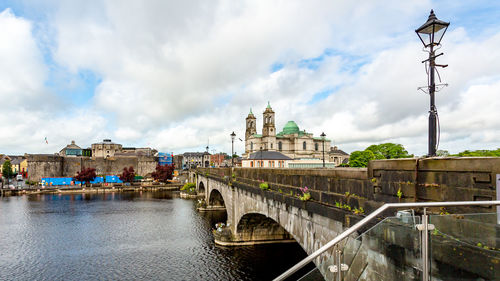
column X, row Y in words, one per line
column 339, row 198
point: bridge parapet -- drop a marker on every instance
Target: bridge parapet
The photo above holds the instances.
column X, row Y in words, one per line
column 384, row 181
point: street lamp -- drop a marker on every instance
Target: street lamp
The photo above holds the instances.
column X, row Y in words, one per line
column 431, row 33
column 323, row 138
column 233, row 135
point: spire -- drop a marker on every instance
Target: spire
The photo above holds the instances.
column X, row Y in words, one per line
column 268, row 105
column 251, row 113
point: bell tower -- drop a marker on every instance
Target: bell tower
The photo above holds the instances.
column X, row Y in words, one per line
column 269, row 129
column 251, row 128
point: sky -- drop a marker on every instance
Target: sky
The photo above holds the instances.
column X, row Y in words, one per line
column 180, row 75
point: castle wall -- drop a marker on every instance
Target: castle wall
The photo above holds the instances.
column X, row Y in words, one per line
column 57, row 166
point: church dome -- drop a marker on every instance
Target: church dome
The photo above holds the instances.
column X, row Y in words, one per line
column 290, row 128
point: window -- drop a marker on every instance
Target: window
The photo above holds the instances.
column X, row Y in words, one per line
column 304, row 145
column 251, row 146
column 316, row 146
column 280, row 146
column 271, row 146
column 251, row 164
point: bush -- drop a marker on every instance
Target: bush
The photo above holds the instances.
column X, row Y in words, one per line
column 264, row 186
column 189, row 187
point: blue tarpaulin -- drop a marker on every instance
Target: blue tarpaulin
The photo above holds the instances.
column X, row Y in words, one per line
column 69, row 181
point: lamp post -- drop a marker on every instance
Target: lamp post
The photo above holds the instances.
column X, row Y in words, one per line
column 431, row 33
column 323, row 138
column 233, row 135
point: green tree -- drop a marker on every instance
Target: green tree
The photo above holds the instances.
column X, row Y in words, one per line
column 360, row 158
column 389, row 151
column 479, row 153
column 377, row 151
column 7, row 171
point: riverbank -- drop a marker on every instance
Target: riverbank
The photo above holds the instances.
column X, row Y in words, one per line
column 79, row 190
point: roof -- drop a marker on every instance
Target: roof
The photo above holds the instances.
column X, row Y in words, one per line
column 335, row 150
column 290, row 128
column 257, row 135
column 72, row 145
column 195, row 154
column 105, row 141
column 268, row 155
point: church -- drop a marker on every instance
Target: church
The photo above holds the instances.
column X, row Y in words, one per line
column 291, row 141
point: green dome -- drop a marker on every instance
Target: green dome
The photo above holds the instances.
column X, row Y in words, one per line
column 290, row 128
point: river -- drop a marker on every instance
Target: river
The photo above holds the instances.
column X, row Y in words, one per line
column 125, row 236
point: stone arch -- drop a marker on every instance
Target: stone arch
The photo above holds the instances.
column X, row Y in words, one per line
column 259, row 227
column 201, row 188
column 216, row 199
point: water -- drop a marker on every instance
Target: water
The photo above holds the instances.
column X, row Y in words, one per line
column 125, row 236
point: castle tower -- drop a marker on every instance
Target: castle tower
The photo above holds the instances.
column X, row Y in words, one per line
column 251, row 126
column 269, row 129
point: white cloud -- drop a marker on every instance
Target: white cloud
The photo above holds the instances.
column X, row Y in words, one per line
column 175, row 75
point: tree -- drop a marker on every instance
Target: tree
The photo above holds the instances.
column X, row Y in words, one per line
column 360, row 158
column 85, row 175
column 479, row 153
column 163, row 173
column 7, row 171
column 127, row 175
column 377, row 151
column 442, row 153
column 389, row 151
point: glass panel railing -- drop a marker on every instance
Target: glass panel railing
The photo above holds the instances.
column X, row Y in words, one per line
column 388, row 251
column 465, row 247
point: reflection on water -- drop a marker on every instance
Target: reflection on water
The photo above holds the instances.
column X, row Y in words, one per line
column 125, row 236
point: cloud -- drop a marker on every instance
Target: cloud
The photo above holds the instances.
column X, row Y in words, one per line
column 180, row 76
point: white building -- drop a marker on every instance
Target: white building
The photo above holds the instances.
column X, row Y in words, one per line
column 291, row 141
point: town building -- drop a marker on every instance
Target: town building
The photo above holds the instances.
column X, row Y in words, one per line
column 266, row 159
column 195, row 159
column 71, row 150
column 105, row 149
column 292, row 142
column 217, row 160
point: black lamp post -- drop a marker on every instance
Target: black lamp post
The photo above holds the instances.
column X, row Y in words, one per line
column 233, row 135
column 431, row 33
column 323, row 138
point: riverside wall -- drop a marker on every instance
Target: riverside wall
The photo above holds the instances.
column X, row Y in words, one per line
column 57, row 166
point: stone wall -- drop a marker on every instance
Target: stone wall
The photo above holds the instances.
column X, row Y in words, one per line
column 44, row 166
column 57, row 166
column 390, row 252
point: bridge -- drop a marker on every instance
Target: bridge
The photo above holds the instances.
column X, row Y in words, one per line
column 341, row 197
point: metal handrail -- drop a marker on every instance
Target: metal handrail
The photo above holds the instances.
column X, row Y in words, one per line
column 371, row 216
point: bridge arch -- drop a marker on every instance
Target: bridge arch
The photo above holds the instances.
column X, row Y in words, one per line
column 215, row 198
column 201, row 188
column 259, row 227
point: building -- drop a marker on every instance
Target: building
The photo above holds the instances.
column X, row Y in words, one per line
column 196, row 159
column 71, row 150
column 266, row 159
column 105, row 149
column 178, row 161
column 217, row 160
column 338, row 156
column 291, row 141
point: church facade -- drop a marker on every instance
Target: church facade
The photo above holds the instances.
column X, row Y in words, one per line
column 291, row 141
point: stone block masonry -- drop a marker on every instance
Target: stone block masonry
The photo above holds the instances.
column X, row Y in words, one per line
column 57, row 166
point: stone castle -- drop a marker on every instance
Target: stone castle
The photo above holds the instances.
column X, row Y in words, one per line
column 106, row 157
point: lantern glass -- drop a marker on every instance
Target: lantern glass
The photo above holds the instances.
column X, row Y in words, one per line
column 431, row 32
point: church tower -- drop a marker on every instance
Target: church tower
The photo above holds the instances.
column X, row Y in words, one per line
column 269, row 129
column 251, row 126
